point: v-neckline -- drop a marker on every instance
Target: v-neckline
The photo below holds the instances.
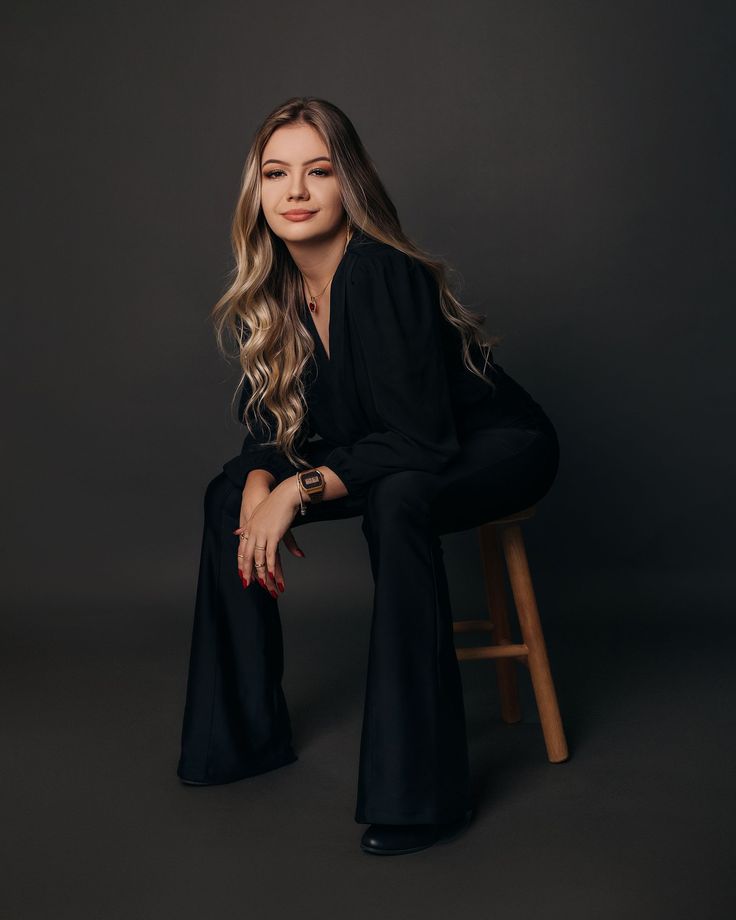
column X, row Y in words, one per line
column 330, row 325
column 317, row 336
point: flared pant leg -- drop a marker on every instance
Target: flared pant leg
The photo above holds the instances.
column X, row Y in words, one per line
column 414, row 754
column 236, row 722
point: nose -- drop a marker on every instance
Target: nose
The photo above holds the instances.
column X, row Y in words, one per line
column 297, row 188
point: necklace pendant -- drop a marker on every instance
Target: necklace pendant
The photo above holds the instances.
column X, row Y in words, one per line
column 312, row 305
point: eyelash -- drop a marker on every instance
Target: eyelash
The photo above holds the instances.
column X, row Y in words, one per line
column 270, row 173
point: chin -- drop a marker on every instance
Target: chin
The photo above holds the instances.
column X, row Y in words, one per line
column 304, row 233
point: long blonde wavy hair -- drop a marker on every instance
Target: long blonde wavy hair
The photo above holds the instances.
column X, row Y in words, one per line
column 260, row 308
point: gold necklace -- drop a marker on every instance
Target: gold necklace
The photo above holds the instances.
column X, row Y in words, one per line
column 313, row 297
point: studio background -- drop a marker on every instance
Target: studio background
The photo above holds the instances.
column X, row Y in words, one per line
column 574, row 163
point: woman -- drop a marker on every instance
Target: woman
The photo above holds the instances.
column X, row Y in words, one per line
column 347, row 331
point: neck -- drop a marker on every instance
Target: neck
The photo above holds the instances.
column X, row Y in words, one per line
column 318, row 259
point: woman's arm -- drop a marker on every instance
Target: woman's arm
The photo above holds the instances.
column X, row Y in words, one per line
column 394, row 304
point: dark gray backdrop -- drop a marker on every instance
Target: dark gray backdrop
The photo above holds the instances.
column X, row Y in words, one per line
column 575, row 163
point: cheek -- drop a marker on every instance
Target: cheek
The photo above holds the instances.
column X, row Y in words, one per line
column 331, row 197
column 267, row 198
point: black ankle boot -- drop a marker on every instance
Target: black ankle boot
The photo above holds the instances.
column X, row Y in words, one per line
column 396, row 839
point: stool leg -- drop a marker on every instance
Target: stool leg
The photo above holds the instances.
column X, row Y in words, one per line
column 508, row 689
column 531, row 631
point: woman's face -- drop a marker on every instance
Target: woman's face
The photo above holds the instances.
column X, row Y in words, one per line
column 301, row 180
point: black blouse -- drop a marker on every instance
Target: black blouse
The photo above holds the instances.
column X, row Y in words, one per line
column 394, row 393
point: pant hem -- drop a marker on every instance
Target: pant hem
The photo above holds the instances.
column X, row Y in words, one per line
column 214, row 779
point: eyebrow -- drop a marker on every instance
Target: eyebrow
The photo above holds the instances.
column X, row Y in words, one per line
column 306, row 162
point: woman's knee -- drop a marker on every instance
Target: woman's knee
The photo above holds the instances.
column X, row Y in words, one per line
column 399, row 496
column 220, row 495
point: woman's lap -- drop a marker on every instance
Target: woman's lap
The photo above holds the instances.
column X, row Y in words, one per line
column 498, row 471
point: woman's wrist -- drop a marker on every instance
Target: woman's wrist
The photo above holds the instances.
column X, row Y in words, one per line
column 291, row 491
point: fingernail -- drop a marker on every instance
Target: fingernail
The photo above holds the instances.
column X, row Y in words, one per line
column 273, row 593
column 261, row 581
column 273, row 577
column 245, row 582
column 281, row 585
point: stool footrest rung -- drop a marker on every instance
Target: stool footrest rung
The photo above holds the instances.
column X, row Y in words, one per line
column 519, row 652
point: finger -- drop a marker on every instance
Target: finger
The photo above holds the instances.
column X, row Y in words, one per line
column 241, row 545
column 280, row 583
column 243, row 571
column 247, row 561
column 291, row 544
column 259, row 560
column 271, row 550
column 239, row 560
column 267, row 571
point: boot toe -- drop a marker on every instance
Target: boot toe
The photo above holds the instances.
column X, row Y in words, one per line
column 395, row 839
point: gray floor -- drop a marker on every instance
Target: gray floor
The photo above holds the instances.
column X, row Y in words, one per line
column 636, row 824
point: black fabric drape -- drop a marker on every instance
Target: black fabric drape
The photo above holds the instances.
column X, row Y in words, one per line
column 394, row 393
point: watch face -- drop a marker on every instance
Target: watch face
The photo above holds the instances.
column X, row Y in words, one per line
column 311, row 479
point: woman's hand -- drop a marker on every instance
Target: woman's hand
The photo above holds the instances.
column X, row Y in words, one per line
column 265, row 517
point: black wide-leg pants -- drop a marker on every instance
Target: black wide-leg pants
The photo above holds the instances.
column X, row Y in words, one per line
column 413, row 755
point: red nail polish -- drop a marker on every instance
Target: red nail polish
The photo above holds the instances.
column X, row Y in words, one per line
column 261, row 581
column 272, row 576
column 245, row 582
column 281, row 585
column 273, row 593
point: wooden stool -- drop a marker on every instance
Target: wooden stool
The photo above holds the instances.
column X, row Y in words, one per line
column 532, row 653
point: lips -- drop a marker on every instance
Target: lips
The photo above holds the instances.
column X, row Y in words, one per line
column 298, row 215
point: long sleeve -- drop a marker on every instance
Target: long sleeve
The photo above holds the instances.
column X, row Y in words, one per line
column 255, row 453
column 394, row 305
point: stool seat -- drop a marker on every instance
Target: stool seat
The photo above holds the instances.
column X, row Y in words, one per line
column 502, row 547
column 523, row 515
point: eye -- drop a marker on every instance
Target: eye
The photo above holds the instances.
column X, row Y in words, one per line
column 317, row 169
